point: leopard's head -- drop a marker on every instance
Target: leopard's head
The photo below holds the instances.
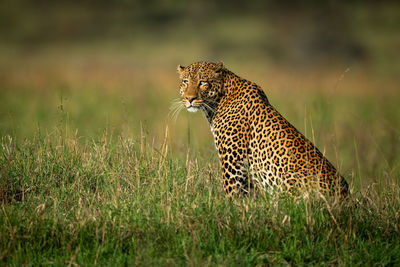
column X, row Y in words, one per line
column 201, row 85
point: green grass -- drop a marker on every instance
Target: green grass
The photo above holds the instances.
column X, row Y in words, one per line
column 120, row 201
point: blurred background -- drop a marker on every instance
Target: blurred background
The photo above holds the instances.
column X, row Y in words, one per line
column 90, row 68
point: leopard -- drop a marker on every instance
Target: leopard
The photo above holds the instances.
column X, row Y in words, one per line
column 257, row 147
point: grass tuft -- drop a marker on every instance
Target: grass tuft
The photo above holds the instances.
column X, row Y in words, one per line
column 123, row 201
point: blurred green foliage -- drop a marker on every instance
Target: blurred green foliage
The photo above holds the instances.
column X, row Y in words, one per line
column 299, row 33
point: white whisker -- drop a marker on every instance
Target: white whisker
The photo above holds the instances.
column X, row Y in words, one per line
column 175, row 109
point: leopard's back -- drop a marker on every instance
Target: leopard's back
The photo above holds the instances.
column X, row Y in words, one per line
column 275, row 154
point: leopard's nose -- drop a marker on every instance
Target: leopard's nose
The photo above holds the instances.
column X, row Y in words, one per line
column 190, row 98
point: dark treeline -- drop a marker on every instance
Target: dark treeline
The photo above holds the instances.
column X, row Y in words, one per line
column 319, row 28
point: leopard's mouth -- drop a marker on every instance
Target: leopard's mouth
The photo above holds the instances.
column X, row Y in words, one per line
column 192, row 106
column 192, row 109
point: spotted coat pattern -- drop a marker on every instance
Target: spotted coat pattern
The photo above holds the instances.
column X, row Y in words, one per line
column 257, row 146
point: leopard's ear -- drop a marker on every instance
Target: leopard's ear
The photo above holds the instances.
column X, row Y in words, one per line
column 180, row 68
column 219, row 67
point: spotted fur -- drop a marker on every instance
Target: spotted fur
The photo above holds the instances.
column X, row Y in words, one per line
column 257, row 146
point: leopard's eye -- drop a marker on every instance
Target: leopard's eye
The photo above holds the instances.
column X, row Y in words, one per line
column 185, row 81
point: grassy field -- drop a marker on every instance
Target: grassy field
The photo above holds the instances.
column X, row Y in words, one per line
column 94, row 171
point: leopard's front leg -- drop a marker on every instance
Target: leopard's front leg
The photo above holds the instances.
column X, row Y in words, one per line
column 231, row 133
column 233, row 153
column 235, row 174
